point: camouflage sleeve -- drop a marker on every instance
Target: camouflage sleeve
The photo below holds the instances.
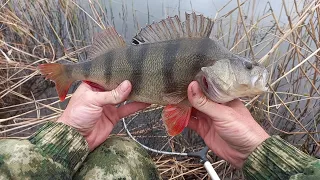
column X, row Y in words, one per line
column 54, row 152
column 277, row 159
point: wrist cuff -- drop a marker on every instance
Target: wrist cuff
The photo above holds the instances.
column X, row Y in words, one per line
column 275, row 159
column 62, row 143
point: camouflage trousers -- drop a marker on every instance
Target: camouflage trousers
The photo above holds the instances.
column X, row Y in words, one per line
column 118, row 158
column 57, row 151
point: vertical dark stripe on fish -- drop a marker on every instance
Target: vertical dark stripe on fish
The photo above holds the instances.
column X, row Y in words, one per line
column 169, row 59
column 68, row 69
column 86, row 69
column 202, row 53
column 108, row 64
column 136, row 61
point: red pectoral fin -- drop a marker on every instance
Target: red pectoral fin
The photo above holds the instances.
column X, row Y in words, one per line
column 176, row 118
column 95, row 85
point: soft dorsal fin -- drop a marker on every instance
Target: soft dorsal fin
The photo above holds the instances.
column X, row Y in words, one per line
column 105, row 41
column 172, row 28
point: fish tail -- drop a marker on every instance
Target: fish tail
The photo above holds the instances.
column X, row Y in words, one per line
column 57, row 73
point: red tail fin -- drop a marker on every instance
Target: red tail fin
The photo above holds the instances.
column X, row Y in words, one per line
column 56, row 73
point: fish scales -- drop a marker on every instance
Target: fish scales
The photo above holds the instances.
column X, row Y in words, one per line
column 136, row 57
column 107, row 66
column 180, row 61
column 154, row 69
column 164, row 70
column 170, row 55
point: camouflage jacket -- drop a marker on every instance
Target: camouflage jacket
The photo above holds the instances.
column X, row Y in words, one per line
column 57, row 151
column 277, row 159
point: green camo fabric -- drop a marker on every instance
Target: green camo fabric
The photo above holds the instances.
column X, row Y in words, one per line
column 277, row 159
column 118, row 158
column 57, row 151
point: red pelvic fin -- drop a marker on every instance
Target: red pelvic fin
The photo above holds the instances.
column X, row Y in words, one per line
column 176, row 118
column 95, row 85
column 56, row 73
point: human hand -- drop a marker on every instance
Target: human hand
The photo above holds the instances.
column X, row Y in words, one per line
column 228, row 130
column 93, row 113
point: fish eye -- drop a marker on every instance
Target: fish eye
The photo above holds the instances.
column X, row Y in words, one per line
column 248, row 65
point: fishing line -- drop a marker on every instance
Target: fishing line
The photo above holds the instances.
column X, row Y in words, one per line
column 199, row 154
column 148, row 148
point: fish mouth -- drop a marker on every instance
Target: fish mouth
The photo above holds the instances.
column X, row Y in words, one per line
column 256, row 86
column 260, row 82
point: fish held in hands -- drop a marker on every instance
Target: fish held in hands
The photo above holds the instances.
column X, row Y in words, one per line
column 164, row 59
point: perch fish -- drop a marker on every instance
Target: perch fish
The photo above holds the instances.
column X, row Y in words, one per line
column 162, row 61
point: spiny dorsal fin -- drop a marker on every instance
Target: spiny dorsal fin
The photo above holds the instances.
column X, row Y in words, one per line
column 172, row 28
column 105, row 41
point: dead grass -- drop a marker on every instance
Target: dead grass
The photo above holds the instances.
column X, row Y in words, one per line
column 284, row 38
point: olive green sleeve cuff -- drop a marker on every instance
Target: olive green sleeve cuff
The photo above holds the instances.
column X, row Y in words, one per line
column 275, row 159
column 62, row 144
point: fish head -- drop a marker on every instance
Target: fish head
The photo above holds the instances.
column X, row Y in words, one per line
column 231, row 78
